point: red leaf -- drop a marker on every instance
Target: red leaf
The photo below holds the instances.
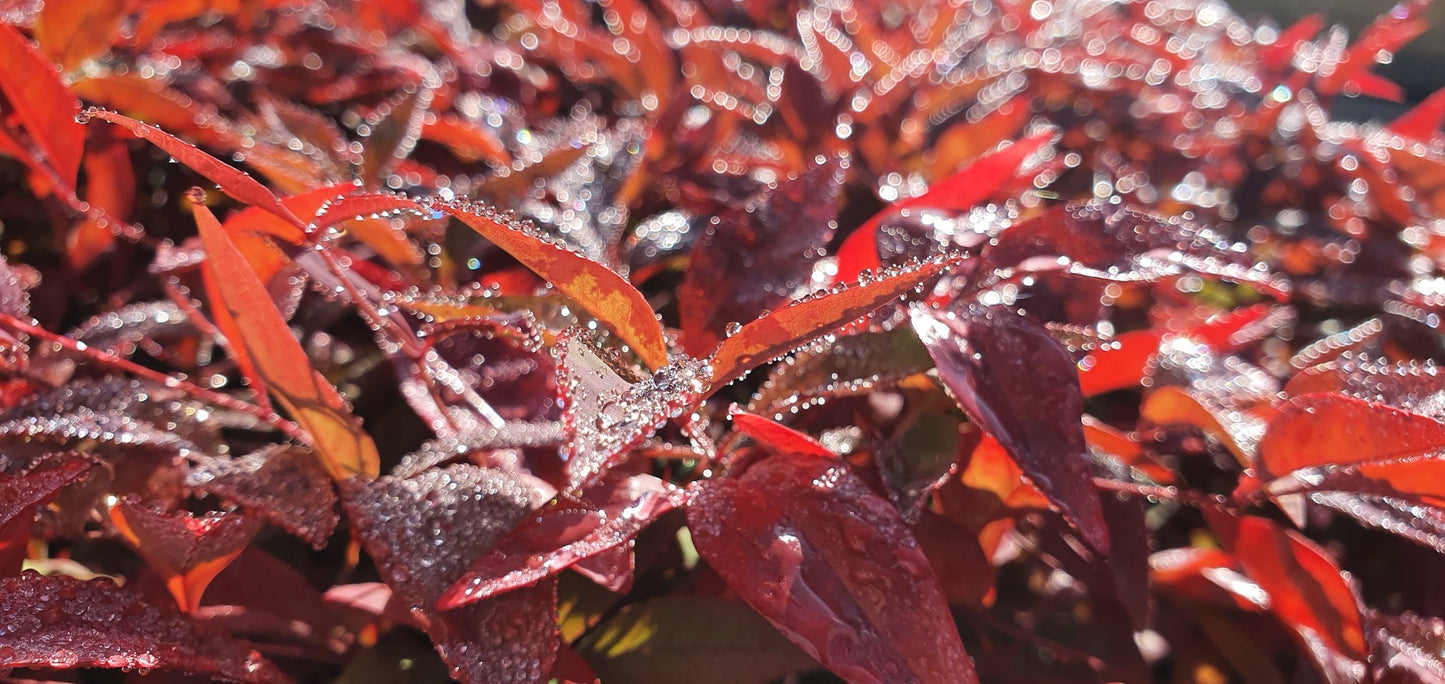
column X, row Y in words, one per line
column 1306, row 592
column 1011, row 377
column 1332, row 429
column 1121, row 363
column 777, row 437
column 594, row 287
column 233, row 182
column 424, row 532
column 20, row 494
column 345, row 450
column 63, row 623
column 43, row 104
column 72, row 31
column 604, row 416
column 563, row 534
column 773, row 240
column 832, row 566
column 347, row 207
column 1423, row 120
column 778, row 332
column 188, row 551
column 958, row 192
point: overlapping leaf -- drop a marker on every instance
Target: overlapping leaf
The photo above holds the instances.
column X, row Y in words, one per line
column 832, row 566
column 774, row 334
column 1007, row 372
column 344, row 448
column 424, row 532
column 562, row 534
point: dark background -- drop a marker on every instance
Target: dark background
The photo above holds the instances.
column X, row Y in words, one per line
column 1420, row 67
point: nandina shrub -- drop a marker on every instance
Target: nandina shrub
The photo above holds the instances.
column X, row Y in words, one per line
column 662, row 340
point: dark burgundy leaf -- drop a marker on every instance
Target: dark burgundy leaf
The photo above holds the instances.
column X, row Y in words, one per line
column 753, row 257
column 1010, row 376
column 832, row 566
column 1101, row 240
column 187, row 551
column 846, row 366
column 424, row 532
column 923, row 452
column 63, row 623
column 21, row 493
column 278, row 483
column 564, row 533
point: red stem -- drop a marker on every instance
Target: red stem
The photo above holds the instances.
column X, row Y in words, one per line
column 112, row 360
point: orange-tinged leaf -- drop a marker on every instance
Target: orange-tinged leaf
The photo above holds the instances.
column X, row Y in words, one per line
column 1171, row 405
column 41, row 101
column 72, row 31
column 233, row 182
column 344, row 448
column 467, row 140
column 151, row 101
column 110, row 187
column 782, row 330
column 594, row 287
column 1333, row 429
column 188, row 551
column 1307, row 593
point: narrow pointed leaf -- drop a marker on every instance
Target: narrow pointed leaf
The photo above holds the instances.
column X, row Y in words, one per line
column 777, row 437
column 344, row 448
column 233, row 182
column 780, row 331
column 594, row 287
column 975, row 183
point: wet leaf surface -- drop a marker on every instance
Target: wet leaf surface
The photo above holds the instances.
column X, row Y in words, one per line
column 824, row 559
column 984, row 356
column 64, row 623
